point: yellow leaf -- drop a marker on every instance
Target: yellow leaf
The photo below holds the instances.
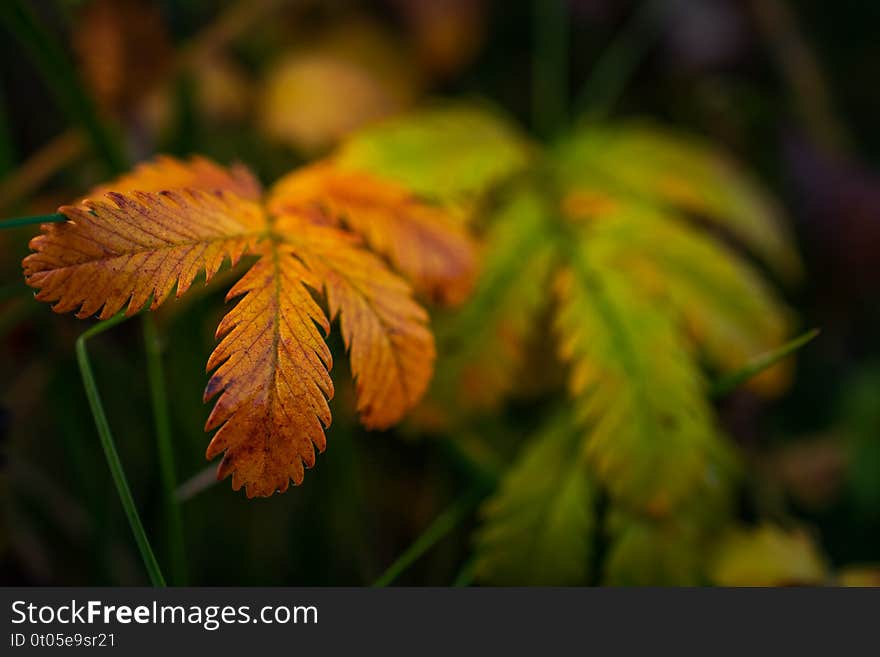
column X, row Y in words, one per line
column 350, row 76
column 859, row 576
column 767, row 556
column 420, row 240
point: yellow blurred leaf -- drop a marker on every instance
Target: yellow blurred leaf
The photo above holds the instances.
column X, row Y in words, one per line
column 315, row 96
column 767, row 556
column 861, row 576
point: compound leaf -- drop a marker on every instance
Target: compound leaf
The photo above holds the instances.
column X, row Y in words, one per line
column 177, row 218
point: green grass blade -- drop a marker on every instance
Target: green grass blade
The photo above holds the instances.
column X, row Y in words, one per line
column 550, row 81
column 442, row 525
column 162, row 421
column 466, row 575
column 759, row 364
column 29, row 221
column 618, row 62
column 109, row 446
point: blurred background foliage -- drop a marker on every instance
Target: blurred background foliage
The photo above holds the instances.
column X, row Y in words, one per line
column 787, row 87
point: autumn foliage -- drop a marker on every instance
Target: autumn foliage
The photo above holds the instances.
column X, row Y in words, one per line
column 620, row 270
column 327, row 243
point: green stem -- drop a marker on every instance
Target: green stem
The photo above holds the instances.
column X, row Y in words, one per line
column 759, row 364
column 61, row 80
column 550, row 82
column 618, row 62
column 442, row 525
column 29, row 221
column 466, row 575
column 109, row 446
column 162, row 421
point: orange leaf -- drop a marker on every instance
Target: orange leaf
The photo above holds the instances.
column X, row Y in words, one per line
column 273, row 370
column 422, row 241
column 132, row 246
column 167, row 173
column 391, row 349
column 170, row 219
column 123, row 50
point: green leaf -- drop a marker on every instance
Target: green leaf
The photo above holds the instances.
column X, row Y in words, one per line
column 637, row 389
column 650, row 553
column 538, row 526
column 675, row 171
column 487, row 339
column 449, row 153
column 725, row 308
column 645, row 551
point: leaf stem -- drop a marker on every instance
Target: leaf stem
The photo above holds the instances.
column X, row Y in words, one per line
column 550, row 81
column 442, row 525
column 759, row 364
column 618, row 62
column 465, row 576
column 36, row 219
column 162, row 421
column 109, row 446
